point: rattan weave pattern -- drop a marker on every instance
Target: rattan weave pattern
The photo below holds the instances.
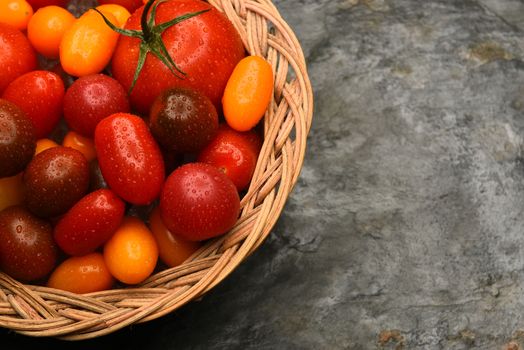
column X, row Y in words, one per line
column 40, row 311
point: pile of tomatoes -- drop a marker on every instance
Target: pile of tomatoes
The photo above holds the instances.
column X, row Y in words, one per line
column 130, row 107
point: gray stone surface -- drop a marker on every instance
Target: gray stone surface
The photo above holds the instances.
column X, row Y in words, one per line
column 405, row 230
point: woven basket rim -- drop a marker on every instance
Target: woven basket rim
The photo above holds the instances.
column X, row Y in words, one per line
column 45, row 312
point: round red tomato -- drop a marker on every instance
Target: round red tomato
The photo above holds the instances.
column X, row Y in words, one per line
column 17, row 56
column 90, row 99
column 206, row 47
column 234, row 153
column 40, row 95
column 199, row 202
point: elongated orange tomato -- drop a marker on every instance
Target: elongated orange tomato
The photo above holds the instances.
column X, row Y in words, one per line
column 82, row 274
column 120, row 12
column 47, row 27
column 87, row 46
column 248, row 93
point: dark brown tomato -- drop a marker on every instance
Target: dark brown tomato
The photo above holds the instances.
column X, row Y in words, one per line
column 183, row 120
column 27, row 249
column 17, row 139
column 55, row 180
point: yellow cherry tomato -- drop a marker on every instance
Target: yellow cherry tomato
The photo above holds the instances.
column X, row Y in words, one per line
column 11, row 191
column 120, row 12
column 131, row 253
column 16, row 13
column 81, row 143
column 248, row 93
column 47, row 27
column 173, row 250
column 43, row 144
column 82, row 274
column 87, row 46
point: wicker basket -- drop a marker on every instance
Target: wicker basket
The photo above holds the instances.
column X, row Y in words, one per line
column 40, row 311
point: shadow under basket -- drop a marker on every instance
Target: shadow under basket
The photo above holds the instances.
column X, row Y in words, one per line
column 45, row 312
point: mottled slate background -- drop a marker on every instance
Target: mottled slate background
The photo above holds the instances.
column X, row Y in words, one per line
column 406, row 228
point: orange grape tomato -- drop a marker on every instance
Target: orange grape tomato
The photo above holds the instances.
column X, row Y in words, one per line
column 120, row 12
column 11, row 191
column 16, row 13
column 131, row 253
column 87, row 46
column 173, row 250
column 82, row 274
column 47, row 27
column 43, row 144
column 81, row 143
column 248, row 93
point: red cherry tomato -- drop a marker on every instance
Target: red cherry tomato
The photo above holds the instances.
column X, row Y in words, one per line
column 82, row 274
column 89, row 223
column 27, row 249
column 173, row 250
column 17, row 55
column 199, row 202
column 40, row 95
column 129, row 158
column 92, row 98
column 234, row 153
